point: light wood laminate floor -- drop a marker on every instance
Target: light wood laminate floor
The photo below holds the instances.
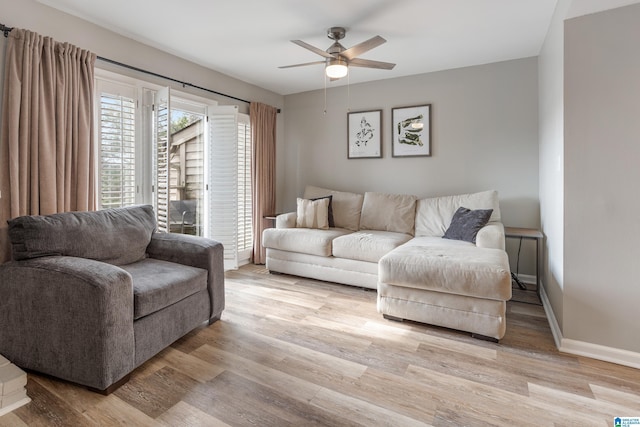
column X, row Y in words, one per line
column 296, row 352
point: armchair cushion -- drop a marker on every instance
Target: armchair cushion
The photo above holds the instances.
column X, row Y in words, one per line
column 116, row 236
column 158, row 284
column 195, row 252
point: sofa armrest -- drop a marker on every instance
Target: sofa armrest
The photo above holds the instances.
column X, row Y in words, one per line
column 491, row 236
column 68, row 317
column 286, row 220
column 198, row 252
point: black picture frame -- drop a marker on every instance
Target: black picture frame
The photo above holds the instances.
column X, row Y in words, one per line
column 411, row 131
column 364, row 134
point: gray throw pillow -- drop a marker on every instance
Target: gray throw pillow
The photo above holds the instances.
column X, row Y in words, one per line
column 466, row 224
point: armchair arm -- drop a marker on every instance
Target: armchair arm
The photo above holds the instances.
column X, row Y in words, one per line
column 491, row 236
column 68, row 317
column 196, row 252
column 286, row 220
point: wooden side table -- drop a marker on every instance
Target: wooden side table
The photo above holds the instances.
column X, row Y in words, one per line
column 531, row 234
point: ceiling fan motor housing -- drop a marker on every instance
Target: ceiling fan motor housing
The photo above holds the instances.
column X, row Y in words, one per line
column 336, row 33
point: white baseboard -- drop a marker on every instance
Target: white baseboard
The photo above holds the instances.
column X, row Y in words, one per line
column 586, row 349
column 527, row 278
column 551, row 317
column 600, row 352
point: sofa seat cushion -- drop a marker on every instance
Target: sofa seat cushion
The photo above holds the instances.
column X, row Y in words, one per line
column 158, row 284
column 368, row 245
column 302, row 240
column 461, row 269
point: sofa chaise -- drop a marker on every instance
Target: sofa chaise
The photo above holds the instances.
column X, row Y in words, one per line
column 395, row 244
column 90, row 296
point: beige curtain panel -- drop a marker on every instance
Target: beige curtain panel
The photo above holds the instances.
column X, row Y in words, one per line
column 263, row 172
column 47, row 150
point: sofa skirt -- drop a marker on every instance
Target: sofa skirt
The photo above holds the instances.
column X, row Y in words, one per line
column 329, row 269
column 476, row 315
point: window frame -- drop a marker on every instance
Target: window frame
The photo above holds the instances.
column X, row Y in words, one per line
column 144, row 134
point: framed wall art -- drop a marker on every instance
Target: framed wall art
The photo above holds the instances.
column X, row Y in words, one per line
column 411, row 131
column 364, row 134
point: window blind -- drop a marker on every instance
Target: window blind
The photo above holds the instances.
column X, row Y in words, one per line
column 162, row 122
column 222, row 179
column 116, row 129
column 245, row 230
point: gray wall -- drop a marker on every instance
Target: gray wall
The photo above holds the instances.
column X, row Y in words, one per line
column 602, row 175
column 484, row 136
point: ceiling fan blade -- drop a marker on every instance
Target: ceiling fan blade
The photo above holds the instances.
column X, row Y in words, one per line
column 302, row 65
column 357, row 62
column 363, row 47
column 312, row 48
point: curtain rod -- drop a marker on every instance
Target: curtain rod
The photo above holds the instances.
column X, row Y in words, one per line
column 6, row 31
column 131, row 67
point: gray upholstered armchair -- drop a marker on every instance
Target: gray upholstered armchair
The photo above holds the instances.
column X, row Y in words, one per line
column 90, row 296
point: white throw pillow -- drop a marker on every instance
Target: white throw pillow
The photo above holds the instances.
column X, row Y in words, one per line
column 313, row 213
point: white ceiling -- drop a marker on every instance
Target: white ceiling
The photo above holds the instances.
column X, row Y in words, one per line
column 249, row 39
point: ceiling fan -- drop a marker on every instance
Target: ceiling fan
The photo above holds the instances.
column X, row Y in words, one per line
column 338, row 59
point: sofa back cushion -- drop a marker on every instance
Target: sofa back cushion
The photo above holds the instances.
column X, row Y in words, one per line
column 346, row 206
column 117, row 236
column 388, row 212
column 434, row 215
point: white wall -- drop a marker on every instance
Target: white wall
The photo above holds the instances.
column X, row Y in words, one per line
column 551, row 107
column 602, row 224
column 484, row 136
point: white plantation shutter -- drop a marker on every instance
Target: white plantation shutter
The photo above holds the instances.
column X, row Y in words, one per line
column 161, row 145
column 245, row 230
column 222, row 179
column 116, row 133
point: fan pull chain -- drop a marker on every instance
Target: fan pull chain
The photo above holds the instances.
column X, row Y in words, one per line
column 348, row 92
column 325, row 94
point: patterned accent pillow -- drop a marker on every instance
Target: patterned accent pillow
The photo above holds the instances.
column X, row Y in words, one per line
column 313, row 213
column 466, row 224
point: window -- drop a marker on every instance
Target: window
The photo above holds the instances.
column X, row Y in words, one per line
column 117, row 118
column 156, row 148
column 179, row 163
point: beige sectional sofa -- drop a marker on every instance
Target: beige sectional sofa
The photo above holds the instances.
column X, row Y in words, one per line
column 394, row 244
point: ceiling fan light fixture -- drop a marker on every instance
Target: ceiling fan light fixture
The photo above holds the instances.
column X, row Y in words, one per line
column 336, row 68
